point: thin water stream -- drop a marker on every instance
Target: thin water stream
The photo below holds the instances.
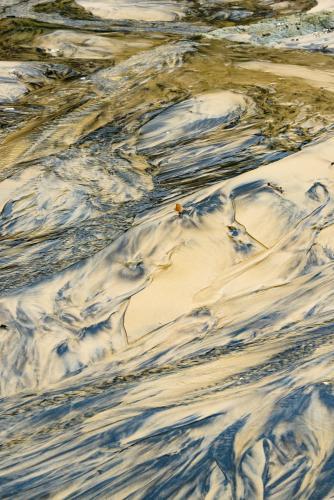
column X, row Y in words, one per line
column 166, row 252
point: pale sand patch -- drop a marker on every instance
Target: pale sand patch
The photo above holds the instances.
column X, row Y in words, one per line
column 10, row 86
column 323, row 5
column 192, row 117
column 316, row 78
column 16, row 77
column 39, row 200
column 136, row 10
column 203, row 255
column 71, row 44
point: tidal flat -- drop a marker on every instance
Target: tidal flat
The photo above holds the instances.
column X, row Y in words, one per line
column 167, row 249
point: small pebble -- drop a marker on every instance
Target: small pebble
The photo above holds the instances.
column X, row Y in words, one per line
column 179, row 208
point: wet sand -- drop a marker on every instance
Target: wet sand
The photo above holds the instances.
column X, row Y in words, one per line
column 166, row 249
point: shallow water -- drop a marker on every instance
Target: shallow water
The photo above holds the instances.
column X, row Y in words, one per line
column 166, row 213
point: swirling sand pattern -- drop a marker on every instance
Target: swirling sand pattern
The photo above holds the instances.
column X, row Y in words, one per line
column 166, row 237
